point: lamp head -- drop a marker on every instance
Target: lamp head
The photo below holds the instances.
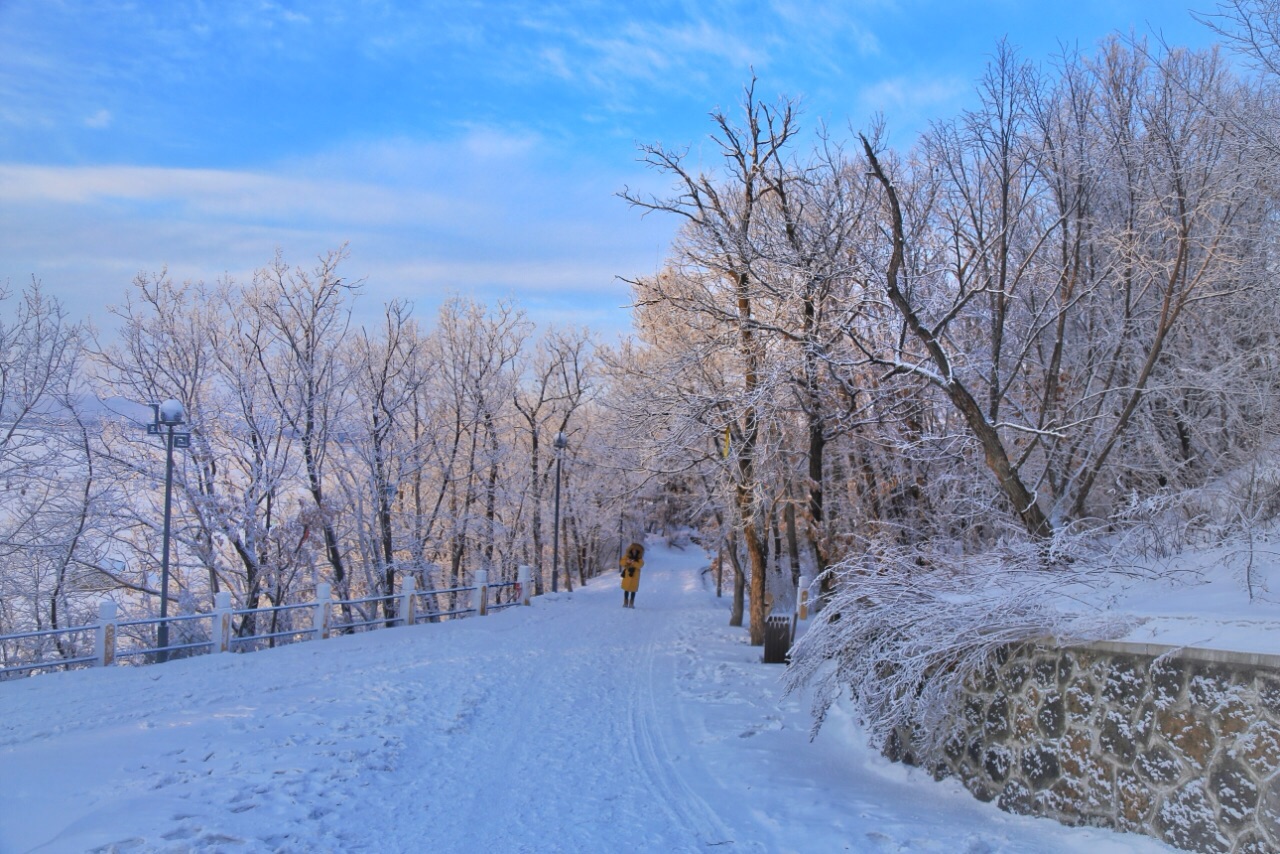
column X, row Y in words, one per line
column 170, row 413
column 561, row 442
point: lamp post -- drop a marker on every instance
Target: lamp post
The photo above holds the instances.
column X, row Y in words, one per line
column 560, row 444
column 168, row 414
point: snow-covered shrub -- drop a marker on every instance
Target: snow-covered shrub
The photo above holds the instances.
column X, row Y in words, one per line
column 908, row 626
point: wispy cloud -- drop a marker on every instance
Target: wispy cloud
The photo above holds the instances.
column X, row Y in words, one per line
column 912, row 99
column 486, row 214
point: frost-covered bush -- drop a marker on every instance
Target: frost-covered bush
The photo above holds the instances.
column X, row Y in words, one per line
column 908, row 626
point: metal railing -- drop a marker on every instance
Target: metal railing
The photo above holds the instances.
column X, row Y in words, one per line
column 100, row 644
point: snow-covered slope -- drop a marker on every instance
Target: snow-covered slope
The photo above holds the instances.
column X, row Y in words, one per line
column 572, row 725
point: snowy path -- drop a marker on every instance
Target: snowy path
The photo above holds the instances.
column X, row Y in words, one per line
column 573, row 725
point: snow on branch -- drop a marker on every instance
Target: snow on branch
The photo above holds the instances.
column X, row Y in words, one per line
column 908, row 627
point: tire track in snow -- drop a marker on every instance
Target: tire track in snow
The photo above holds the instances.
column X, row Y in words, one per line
column 653, row 676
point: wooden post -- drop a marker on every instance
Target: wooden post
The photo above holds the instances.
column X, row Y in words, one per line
column 320, row 615
column 482, row 592
column 105, row 645
column 408, row 587
column 221, row 633
column 802, row 597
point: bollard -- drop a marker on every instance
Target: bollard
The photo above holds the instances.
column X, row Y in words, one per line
column 407, row 590
column 105, row 645
column 482, row 592
column 221, row 632
column 522, row 584
column 802, row 597
column 320, row 614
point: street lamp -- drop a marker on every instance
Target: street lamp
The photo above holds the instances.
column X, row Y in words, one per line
column 560, row 444
column 167, row 414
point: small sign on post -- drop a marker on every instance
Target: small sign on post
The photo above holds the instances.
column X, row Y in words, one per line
column 802, row 597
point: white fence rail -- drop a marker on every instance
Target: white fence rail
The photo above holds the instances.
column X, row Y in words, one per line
column 226, row 629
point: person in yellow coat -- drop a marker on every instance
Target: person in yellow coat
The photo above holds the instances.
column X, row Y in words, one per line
column 631, row 562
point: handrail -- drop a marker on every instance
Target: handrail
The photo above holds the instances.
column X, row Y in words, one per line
column 47, row 633
column 297, row 606
column 62, row 662
column 154, row 621
column 142, row 652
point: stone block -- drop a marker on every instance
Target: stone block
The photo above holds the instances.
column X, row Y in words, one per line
column 1189, row 735
column 1066, row 669
column 996, row 763
column 1236, row 793
column 1157, row 765
column 1066, row 800
column 1168, row 678
column 1133, row 802
column 1117, row 737
column 1253, row 842
column 996, row 725
column 1024, row 724
column 1269, row 810
column 1258, row 747
column 1209, row 686
column 1044, row 671
column 974, row 712
column 1232, row 716
column 1188, row 820
column 1015, row 675
column 1015, row 798
column 1125, row 685
column 974, row 751
column 1269, row 692
column 1053, row 716
column 1076, row 752
column 1081, row 697
column 1040, row 766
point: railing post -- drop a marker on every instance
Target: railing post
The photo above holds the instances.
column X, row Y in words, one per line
column 221, row 633
column 482, row 592
column 105, row 646
column 407, row 589
column 802, row 597
column 522, row 584
column 320, row 616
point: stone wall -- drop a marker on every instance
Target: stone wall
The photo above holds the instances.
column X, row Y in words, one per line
column 1182, row 745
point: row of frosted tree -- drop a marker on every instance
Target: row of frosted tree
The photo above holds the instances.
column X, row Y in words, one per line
column 1052, row 319
column 320, row 450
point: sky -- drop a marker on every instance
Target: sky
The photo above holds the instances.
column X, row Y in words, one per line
column 466, row 148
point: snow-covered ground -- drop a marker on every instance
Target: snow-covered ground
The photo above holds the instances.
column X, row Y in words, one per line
column 1201, row 598
column 572, row 725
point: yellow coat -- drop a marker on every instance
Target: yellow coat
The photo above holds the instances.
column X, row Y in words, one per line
column 631, row 573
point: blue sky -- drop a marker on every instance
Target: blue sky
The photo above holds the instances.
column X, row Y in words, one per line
column 457, row 147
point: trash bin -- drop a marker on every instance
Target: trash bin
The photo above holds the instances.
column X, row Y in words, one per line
column 777, row 638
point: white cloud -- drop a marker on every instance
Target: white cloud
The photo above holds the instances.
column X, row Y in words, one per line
column 489, row 213
column 913, row 95
column 100, row 119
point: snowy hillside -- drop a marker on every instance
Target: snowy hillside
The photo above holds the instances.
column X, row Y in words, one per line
column 572, row 725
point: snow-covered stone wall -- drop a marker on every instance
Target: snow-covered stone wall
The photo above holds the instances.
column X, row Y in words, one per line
column 1182, row 745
